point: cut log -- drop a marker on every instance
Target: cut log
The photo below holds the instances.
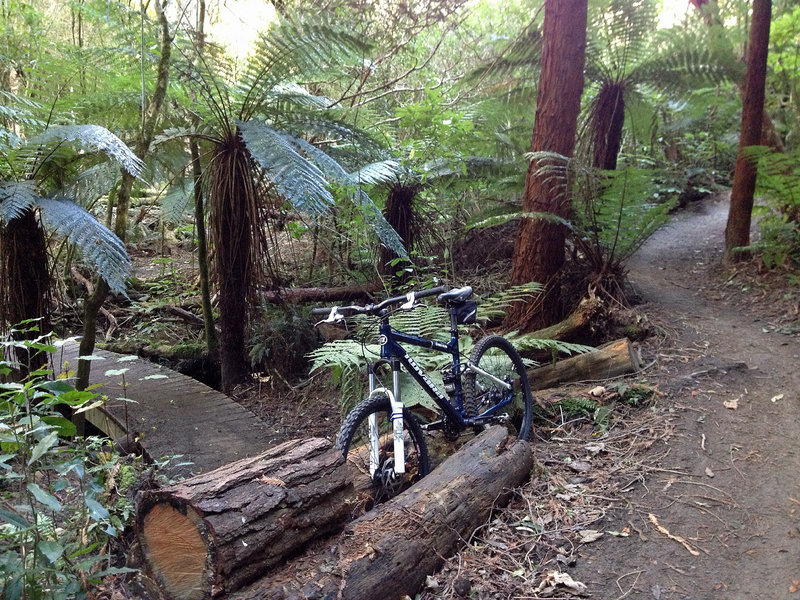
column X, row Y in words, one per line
column 349, row 293
column 388, row 552
column 213, row 533
column 616, row 358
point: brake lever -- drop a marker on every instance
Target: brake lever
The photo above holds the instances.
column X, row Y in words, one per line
column 410, row 302
column 333, row 317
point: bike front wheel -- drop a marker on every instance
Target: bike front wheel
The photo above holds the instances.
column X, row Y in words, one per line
column 498, row 364
column 354, row 443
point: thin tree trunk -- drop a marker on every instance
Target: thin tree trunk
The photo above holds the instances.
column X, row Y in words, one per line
column 145, row 138
column 737, row 230
column 199, row 209
column 539, row 250
column 202, row 250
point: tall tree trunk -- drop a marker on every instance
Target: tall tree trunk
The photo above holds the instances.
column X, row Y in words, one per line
column 202, row 249
column 23, row 250
column 608, row 118
column 232, row 192
column 737, row 231
column 143, row 141
column 199, row 208
column 399, row 214
column 540, row 245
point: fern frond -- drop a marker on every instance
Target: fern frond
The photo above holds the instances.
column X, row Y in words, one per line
column 16, row 198
column 176, row 201
column 94, row 138
column 299, row 181
column 99, row 246
column 91, row 184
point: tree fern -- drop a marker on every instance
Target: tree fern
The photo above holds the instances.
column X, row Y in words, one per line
column 99, row 246
column 93, row 138
column 16, row 198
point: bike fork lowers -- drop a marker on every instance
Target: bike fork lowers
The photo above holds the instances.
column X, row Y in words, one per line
column 397, row 424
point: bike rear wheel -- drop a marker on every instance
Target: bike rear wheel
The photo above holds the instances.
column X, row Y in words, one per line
column 354, row 443
column 496, row 356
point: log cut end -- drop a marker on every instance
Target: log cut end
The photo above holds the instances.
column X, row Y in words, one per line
column 213, row 533
column 172, row 543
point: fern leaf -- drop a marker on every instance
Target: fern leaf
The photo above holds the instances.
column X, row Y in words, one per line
column 16, row 198
column 94, row 138
column 298, row 180
column 175, row 202
column 91, row 184
column 99, row 246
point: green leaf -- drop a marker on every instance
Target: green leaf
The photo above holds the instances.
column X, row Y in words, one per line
column 57, row 386
column 50, row 440
column 14, row 519
column 64, row 427
column 91, row 405
column 157, row 376
column 127, row 358
column 44, row 497
column 51, row 550
column 96, row 510
column 113, row 571
column 115, row 372
column 91, row 357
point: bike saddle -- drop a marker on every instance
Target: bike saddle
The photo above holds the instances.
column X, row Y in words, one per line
column 455, row 295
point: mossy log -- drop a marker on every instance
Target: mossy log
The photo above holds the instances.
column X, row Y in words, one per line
column 613, row 359
column 577, row 325
column 389, row 551
column 213, row 533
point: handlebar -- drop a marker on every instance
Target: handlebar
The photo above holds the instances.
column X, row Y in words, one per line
column 375, row 309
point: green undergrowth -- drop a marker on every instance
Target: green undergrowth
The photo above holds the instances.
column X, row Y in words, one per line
column 66, row 500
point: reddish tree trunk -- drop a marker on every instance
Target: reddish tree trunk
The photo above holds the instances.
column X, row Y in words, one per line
column 737, row 231
column 539, row 250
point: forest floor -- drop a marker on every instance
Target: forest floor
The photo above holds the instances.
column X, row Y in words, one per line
column 697, row 496
column 729, row 484
column 693, row 494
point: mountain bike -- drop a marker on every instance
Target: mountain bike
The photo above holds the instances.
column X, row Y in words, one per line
column 383, row 438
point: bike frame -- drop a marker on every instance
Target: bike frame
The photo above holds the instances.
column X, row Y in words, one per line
column 393, row 354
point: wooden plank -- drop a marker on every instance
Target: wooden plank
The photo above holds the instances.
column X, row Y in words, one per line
column 170, row 413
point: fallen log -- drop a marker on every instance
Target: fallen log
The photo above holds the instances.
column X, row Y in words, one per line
column 349, row 293
column 215, row 532
column 388, row 552
column 613, row 359
column 577, row 325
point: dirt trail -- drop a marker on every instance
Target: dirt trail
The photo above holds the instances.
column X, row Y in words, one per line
column 729, row 479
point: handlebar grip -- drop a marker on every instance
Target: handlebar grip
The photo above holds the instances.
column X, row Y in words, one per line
column 319, row 312
column 431, row 292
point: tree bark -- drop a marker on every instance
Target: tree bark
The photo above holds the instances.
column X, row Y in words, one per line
column 539, row 250
column 610, row 360
column 608, row 120
column 399, row 214
column 737, row 230
column 388, row 552
column 215, row 532
column 26, row 285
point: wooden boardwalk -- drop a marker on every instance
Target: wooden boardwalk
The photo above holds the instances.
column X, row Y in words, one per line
column 169, row 412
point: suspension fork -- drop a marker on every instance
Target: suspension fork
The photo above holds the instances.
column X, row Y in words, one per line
column 397, row 421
